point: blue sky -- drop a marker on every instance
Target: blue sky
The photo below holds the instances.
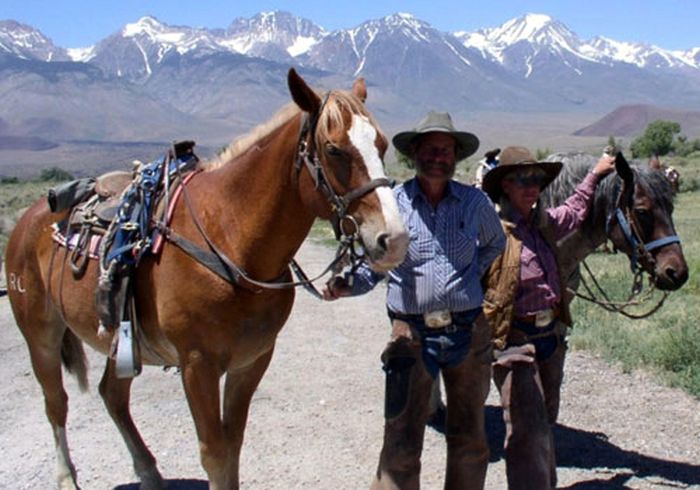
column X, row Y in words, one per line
column 670, row 24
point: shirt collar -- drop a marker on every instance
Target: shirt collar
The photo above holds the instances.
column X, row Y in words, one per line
column 413, row 190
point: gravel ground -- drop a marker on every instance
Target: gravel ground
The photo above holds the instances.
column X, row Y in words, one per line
column 316, row 419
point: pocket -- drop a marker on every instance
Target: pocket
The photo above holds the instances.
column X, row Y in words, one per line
column 464, row 248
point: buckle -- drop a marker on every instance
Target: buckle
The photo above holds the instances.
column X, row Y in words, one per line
column 437, row 319
column 544, row 317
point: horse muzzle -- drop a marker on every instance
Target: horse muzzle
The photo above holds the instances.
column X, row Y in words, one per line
column 386, row 250
column 670, row 268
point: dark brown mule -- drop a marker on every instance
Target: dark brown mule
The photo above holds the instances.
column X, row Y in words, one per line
column 257, row 206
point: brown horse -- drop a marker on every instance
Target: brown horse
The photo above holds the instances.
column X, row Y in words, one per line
column 256, row 203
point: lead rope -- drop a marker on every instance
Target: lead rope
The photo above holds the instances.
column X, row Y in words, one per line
column 620, row 306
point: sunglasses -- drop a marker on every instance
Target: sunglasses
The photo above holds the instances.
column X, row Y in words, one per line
column 527, row 180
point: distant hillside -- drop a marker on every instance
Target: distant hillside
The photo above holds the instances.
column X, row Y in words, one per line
column 631, row 120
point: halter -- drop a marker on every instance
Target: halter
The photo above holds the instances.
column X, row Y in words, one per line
column 307, row 154
column 630, row 230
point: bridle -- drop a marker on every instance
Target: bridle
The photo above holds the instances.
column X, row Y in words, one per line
column 346, row 228
column 623, row 214
column 307, row 155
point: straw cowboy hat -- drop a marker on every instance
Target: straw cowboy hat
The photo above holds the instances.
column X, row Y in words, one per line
column 516, row 158
column 437, row 122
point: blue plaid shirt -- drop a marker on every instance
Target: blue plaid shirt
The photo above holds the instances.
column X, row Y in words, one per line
column 450, row 249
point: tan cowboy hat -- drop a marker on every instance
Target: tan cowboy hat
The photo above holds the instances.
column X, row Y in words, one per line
column 437, row 122
column 515, row 158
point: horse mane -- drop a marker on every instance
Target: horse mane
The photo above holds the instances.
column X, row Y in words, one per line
column 243, row 143
column 332, row 114
column 331, row 117
column 577, row 165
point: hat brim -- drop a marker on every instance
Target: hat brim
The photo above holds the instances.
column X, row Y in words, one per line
column 467, row 143
column 491, row 184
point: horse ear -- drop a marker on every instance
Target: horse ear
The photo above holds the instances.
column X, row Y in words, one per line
column 303, row 96
column 359, row 89
column 622, row 167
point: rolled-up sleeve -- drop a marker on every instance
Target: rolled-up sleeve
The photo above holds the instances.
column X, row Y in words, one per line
column 569, row 216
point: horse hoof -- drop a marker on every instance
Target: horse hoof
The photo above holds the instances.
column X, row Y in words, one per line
column 67, row 483
column 152, row 481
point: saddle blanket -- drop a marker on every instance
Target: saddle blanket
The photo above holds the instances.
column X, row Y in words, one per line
column 71, row 242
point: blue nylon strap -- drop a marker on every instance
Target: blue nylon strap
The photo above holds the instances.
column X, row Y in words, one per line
column 135, row 210
column 625, row 226
column 662, row 241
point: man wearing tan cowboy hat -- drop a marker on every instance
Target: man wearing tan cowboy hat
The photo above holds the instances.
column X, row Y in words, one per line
column 434, row 303
column 526, row 309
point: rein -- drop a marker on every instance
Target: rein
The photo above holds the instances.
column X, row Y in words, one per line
column 619, row 306
column 346, row 253
column 641, row 251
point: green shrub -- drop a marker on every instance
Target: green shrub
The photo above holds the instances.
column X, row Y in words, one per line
column 55, row 174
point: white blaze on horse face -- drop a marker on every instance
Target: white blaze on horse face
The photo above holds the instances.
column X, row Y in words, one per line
column 363, row 135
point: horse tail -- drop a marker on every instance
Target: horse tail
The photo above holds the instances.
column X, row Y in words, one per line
column 73, row 357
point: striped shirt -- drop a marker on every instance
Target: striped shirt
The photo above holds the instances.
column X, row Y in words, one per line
column 450, row 248
column 539, row 287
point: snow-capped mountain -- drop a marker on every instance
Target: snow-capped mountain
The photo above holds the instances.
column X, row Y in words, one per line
column 639, row 54
column 136, row 51
column 536, row 41
column 407, row 56
column 230, row 79
column 140, row 47
column 272, row 35
column 28, row 43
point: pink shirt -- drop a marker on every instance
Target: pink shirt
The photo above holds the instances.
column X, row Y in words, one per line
column 539, row 279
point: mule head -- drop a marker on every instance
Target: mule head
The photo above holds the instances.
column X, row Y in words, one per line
column 641, row 226
column 343, row 148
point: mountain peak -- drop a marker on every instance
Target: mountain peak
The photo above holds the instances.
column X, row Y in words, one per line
column 27, row 42
column 147, row 25
column 539, row 28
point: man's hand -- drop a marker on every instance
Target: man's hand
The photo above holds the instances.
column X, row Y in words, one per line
column 336, row 287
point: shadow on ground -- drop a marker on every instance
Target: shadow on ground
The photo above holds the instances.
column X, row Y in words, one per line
column 180, row 484
column 588, row 450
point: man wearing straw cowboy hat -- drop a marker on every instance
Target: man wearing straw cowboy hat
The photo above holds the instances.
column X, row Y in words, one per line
column 434, row 303
column 526, row 309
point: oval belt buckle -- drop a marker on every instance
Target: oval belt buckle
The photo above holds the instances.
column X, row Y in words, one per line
column 437, row 318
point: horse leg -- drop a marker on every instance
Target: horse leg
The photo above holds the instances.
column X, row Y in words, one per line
column 238, row 392
column 115, row 394
column 45, row 355
column 220, row 441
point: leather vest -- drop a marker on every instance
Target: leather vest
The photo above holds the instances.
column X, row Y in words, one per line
column 501, row 284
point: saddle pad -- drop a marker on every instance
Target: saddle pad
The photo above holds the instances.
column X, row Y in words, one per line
column 72, row 242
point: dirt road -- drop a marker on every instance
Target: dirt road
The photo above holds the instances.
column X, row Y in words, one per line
column 316, row 419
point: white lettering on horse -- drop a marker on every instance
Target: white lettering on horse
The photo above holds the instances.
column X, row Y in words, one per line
column 15, row 283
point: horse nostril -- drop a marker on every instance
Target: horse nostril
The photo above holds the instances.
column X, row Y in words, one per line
column 383, row 241
column 671, row 273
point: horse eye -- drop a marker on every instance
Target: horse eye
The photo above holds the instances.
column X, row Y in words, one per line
column 334, row 151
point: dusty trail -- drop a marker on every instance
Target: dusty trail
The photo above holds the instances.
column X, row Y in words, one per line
column 316, row 419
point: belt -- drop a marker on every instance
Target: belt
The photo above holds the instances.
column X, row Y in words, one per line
column 438, row 322
column 541, row 318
